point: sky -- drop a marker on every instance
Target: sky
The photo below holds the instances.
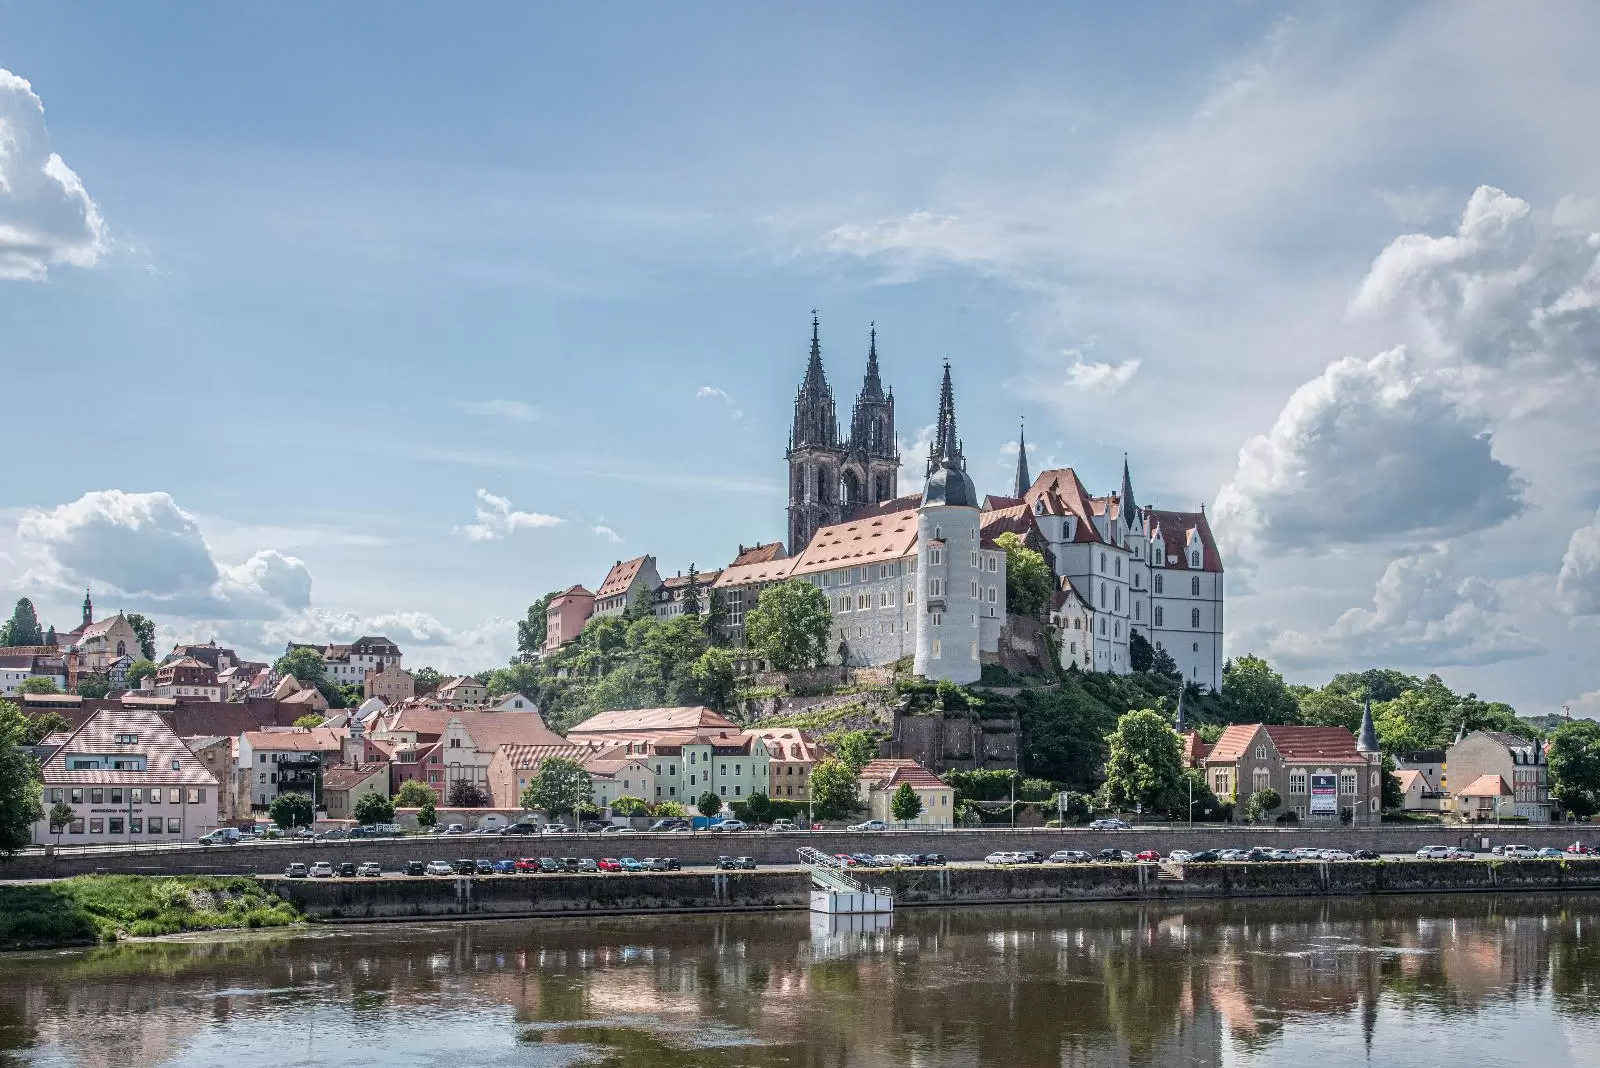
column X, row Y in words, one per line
column 323, row 320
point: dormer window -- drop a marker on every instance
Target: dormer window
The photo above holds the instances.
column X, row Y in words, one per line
column 1038, row 506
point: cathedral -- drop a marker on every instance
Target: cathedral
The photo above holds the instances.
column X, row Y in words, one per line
column 831, row 479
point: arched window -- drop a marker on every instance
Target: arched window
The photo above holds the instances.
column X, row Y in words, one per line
column 1161, row 614
column 1138, row 610
column 122, row 648
column 1116, row 596
column 1194, row 585
column 1194, row 559
column 1102, row 595
column 1159, row 583
column 1194, row 618
column 1102, row 562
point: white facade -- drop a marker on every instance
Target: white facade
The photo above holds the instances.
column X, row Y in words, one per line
column 950, row 563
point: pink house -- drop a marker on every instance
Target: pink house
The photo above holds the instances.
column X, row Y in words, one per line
column 569, row 610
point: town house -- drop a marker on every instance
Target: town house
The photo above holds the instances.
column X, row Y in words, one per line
column 1321, row 774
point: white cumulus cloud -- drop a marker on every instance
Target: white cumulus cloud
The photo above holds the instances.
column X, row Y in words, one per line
column 713, row 393
column 1579, row 582
column 1096, row 377
column 496, row 518
column 1424, row 612
column 46, row 216
column 1368, row 451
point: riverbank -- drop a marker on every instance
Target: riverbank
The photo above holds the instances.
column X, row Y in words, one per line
column 401, row 898
column 103, row 908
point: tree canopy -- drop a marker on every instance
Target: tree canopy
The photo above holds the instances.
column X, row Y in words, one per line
column 21, row 804
column 145, row 628
column 1255, row 693
column 790, row 625
column 292, row 810
column 531, row 629
column 1145, row 766
column 1575, row 766
column 1029, row 585
column 833, row 789
column 560, row 785
column 709, row 804
column 906, row 804
column 464, row 793
column 413, row 794
column 373, row 808
column 856, row 749
column 37, row 684
column 304, row 664
column 139, row 669
column 23, row 627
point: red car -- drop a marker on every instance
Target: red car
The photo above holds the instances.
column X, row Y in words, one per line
column 527, row 864
column 1580, row 848
column 846, row 860
column 1148, row 854
column 610, row 864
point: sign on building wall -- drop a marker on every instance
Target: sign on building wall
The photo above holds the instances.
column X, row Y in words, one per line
column 1324, row 795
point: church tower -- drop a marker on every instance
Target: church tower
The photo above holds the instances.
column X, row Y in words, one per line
column 815, row 455
column 871, row 472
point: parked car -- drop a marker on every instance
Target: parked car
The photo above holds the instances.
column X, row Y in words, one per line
column 371, row 870
column 440, row 867
column 588, row 864
column 321, row 870
column 1147, row 855
column 866, row 860
column 671, row 863
column 1580, row 849
column 463, row 866
column 1462, row 853
column 1550, row 851
column 870, row 825
column 1517, row 851
column 416, row 867
column 569, row 864
column 668, row 823
column 505, row 867
column 1070, row 856
column 554, row 828
column 883, row 860
column 220, row 836
column 632, row 864
column 1204, row 856
column 1031, row 856
column 1108, row 825
column 610, row 864
column 1434, row 852
column 681, row 829
column 347, row 869
column 1114, row 855
column 1339, row 854
column 527, row 865
column 729, row 825
column 455, row 828
column 521, row 827
column 847, row 860
column 782, row 825
column 296, row 870
column 725, row 863
column 1001, row 857
column 549, row 866
column 592, row 827
column 1367, row 854
column 928, row 860
column 615, row 828
column 1180, row 855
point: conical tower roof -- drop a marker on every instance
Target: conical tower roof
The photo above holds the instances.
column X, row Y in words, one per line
column 1024, row 482
column 1368, row 741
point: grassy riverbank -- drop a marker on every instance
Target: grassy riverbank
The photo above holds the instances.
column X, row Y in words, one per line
column 103, row 908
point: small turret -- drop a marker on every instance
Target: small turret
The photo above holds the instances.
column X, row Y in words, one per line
column 1368, row 741
column 88, row 607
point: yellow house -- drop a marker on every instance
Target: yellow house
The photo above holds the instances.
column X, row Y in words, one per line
column 880, row 779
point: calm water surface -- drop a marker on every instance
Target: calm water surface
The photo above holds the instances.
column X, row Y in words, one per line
column 1478, row 981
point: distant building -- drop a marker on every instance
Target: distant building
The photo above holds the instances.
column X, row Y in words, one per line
column 670, row 597
column 344, row 785
column 566, row 615
column 1488, row 797
column 187, row 677
column 347, row 665
column 626, row 583
column 392, row 684
column 1073, row 620
column 285, row 761
column 99, row 643
column 513, row 702
column 220, row 756
column 690, row 751
column 791, row 755
column 1321, row 774
column 439, row 746
column 880, row 780
column 128, row 778
column 1519, row 762
column 464, row 691
column 739, row 585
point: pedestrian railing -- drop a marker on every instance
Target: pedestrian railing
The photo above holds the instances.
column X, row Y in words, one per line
column 828, row 873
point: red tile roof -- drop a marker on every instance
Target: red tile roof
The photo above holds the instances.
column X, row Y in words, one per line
column 760, row 572
column 621, row 576
column 642, row 720
column 345, row 777
column 1315, row 743
column 1174, row 528
column 888, row 774
column 1486, row 786
column 860, row 541
column 489, row 730
column 1063, row 494
column 758, row 554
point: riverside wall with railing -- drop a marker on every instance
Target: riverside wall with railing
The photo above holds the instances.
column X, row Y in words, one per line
column 765, row 847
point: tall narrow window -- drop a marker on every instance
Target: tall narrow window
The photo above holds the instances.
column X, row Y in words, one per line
column 1158, row 583
column 1194, row 618
column 1194, row 585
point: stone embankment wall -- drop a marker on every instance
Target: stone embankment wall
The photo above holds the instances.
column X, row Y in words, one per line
column 536, row 895
column 703, row 848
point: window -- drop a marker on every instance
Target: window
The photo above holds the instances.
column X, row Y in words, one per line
column 1158, row 583
column 1116, row 597
column 1194, row 585
column 1102, row 626
column 1102, row 563
column 174, row 825
column 1102, row 595
column 1347, row 782
column 935, row 587
column 1160, row 614
column 116, row 795
column 115, row 825
column 1261, row 752
column 1372, row 780
column 173, row 796
column 1260, row 779
column 76, row 827
column 1197, row 647
column 97, row 796
column 938, row 619
column 1194, row 618
column 994, row 594
column 936, row 648
column 975, row 558
column 1117, row 564
column 863, row 602
column 1297, row 780
column 1219, row 784
column 97, row 826
column 135, row 824
column 936, row 556
column 1194, row 559
column 911, row 595
column 722, row 769
column 1116, row 628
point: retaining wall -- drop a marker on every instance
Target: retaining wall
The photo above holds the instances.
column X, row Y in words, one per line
column 704, row 848
column 534, row 895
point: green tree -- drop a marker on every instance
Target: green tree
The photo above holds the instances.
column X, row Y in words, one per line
column 304, row 664
column 1141, row 654
column 1575, row 766
column 714, row 679
column 1075, row 807
column 61, row 816
column 716, row 616
column 629, row 806
column 428, row 814
column 691, row 593
column 374, row 808
column 464, row 793
column 1161, row 663
column 1391, row 796
column 560, row 785
column 759, row 807
column 23, row 627
column 41, row 725
column 1375, row 684
column 138, row 670
column 413, row 794
column 709, row 804
column 145, row 628
column 856, row 749
column 531, row 629
column 1254, row 693
column 1028, row 582
column 790, row 625
column 906, row 804
column 1196, row 795
column 21, row 804
column 833, row 789
column 1263, row 803
column 1146, row 762
column 37, row 684
column 310, row 719
column 292, row 810
column 93, row 685
column 1328, row 707
column 426, row 680
column 671, row 808
column 514, row 678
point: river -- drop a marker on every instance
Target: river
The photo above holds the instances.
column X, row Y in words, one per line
column 1481, row 981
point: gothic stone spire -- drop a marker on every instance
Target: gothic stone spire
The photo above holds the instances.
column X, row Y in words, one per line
column 946, row 446
column 1129, row 507
column 872, row 385
column 815, row 423
column 1023, row 481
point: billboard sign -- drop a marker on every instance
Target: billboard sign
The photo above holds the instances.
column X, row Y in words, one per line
column 1324, row 795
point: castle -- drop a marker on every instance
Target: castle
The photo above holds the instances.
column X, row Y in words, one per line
column 1120, row 569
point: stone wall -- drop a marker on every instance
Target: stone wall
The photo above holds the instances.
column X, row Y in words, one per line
column 704, row 848
column 956, row 742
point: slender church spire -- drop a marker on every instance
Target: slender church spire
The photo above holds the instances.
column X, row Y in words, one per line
column 88, row 607
column 1023, row 481
column 1130, row 508
column 946, row 447
column 814, row 377
column 872, row 386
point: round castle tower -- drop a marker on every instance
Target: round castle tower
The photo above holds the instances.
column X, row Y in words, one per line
column 947, row 546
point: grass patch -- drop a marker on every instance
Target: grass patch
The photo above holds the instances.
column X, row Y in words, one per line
column 813, row 720
column 103, row 908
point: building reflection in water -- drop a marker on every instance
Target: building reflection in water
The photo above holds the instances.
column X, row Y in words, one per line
column 1101, row 986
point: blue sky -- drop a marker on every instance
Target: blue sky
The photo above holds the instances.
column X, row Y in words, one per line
column 349, row 266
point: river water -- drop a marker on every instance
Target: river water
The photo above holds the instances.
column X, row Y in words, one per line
column 1476, row 981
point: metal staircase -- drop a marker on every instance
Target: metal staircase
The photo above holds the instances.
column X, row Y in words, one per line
column 828, row 873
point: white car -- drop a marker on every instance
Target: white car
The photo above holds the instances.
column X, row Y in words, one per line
column 322, row 870
column 554, row 828
column 1337, row 854
column 729, row 825
column 783, row 825
column 1003, row 858
column 870, row 825
column 1516, row 851
column 1108, row 825
column 439, row 867
column 1179, row 855
column 1434, row 852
